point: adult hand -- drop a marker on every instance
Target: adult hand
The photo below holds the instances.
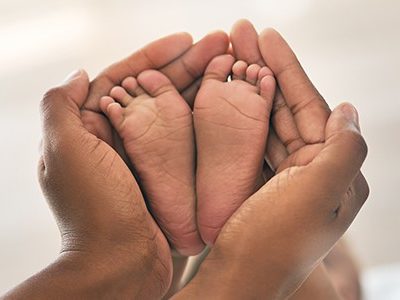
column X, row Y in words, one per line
column 300, row 113
column 111, row 247
column 282, row 232
column 115, row 234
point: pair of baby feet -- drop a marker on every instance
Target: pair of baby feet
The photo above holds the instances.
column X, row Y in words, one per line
column 229, row 126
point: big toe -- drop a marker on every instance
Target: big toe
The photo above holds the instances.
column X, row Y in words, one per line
column 219, row 68
column 155, row 83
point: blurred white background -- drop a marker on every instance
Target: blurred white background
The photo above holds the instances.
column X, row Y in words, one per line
column 350, row 48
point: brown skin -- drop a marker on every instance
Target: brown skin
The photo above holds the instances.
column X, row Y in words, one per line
column 344, row 272
column 276, row 238
column 98, row 242
column 295, row 126
column 338, row 272
column 313, row 151
column 317, row 286
column 177, row 58
column 111, row 247
column 245, row 45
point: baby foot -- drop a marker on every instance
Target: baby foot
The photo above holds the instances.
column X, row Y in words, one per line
column 231, row 121
column 156, row 127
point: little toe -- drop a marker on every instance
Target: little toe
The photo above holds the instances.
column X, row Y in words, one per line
column 155, row 83
column 239, row 70
column 112, row 110
column 264, row 71
column 105, row 102
column 267, row 88
column 121, row 95
column 219, row 68
column 131, row 85
column 115, row 113
column 252, row 73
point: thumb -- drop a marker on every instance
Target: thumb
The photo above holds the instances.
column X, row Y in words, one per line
column 344, row 152
column 61, row 105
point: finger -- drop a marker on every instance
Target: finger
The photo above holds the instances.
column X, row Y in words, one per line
column 275, row 151
column 285, row 125
column 219, row 68
column 61, row 119
column 303, row 100
column 343, row 153
column 153, row 56
column 302, row 157
column 244, row 39
column 191, row 65
column 98, row 125
column 181, row 62
column 60, row 107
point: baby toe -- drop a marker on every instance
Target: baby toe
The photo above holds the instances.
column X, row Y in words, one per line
column 219, row 68
column 267, row 86
column 105, row 102
column 264, row 71
column 121, row 95
column 252, row 73
column 239, row 70
column 155, row 83
column 131, row 85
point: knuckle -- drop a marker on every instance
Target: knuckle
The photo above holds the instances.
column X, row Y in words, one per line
column 357, row 141
column 361, row 144
column 49, row 98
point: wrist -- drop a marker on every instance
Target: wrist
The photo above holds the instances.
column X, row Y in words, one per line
column 104, row 274
column 133, row 271
column 228, row 276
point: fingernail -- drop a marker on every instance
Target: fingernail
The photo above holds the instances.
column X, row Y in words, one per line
column 350, row 113
column 73, row 75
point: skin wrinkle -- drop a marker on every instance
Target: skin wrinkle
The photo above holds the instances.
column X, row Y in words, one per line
column 289, row 142
column 156, row 139
column 148, row 61
column 239, row 110
column 149, row 127
column 303, row 105
column 224, row 125
column 194, row 75
column 87, row 106
column 145, row 251
column 289, row 67
column 164, row 89
column 279, row 103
